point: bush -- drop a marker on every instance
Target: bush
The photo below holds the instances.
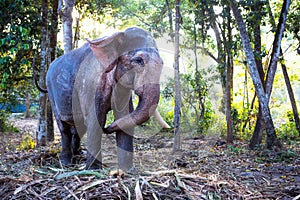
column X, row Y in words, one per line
column 5, row 126
column 3, row 120
column 288, row 131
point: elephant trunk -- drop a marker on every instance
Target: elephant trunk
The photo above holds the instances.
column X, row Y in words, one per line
column 148, row 99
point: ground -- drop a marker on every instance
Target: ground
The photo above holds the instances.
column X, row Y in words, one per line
column 205, row 169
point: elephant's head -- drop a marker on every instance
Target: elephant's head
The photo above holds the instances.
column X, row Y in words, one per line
column 133, row 57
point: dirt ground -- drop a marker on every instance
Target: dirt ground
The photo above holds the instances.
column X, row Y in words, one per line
column 204, row 169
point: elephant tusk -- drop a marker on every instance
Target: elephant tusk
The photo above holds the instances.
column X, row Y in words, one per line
column 160, row 120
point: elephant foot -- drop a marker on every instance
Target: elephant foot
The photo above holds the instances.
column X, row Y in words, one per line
column 132, row 171
column 77, row 151
column 66, row 158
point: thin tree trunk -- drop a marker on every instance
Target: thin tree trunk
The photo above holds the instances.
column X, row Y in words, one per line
column 286, row 77
column 201, row 107
column 229, row 81
column 171, row 30
column 276, row 53
column 52, row 56
column 177, row 142
column 27, row 115
column 276, row 48
column 66, row 14
column 77, row 31
column 292, row 97
column 54, row 29
column 42, row 123
column 262, row 98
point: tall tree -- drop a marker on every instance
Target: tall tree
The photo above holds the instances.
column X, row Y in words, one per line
column 229, row 76
column 66, row 14
column 177, row 142
column 42, row 121
column 51, row 57
column 272, row 140
column 257, row 136
column 285, row 73
column 257, row 9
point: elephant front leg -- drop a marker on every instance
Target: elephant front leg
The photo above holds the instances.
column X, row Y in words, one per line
column 94, row 158
column 125, row 150
column 125, row 138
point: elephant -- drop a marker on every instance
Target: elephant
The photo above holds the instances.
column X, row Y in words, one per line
column 85, row 84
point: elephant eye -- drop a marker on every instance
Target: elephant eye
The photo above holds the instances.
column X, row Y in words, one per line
column 139, row 61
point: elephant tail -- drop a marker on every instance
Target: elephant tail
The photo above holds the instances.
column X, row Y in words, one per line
column 34, row 69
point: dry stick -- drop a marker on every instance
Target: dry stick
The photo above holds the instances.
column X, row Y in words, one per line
column 126, row 190
column 50, row 190
column 97, row 182
column 23, row 187
column 138, row 191
column 71, row 193
column 35, row 194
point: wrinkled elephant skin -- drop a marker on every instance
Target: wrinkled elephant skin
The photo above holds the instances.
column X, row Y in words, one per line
column 85, row 84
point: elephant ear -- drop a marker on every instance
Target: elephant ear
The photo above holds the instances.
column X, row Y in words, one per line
column 107, row 49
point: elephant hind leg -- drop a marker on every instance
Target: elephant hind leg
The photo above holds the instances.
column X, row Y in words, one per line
column 66, row 141
column 75, row 142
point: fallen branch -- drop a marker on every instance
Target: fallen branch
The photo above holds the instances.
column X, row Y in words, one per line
column 78, row 173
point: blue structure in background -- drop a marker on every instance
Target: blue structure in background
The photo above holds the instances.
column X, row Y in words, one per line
column 19, row 107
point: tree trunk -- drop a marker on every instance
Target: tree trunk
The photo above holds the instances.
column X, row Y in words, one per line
column 259, row 126
column 292, row 97
column 229, row 81
column 42, row 123
column 77, row 33
column 27, row 115
column 276, row 53
column 177, row 142
column 52, row 55
column 276, row 48
column 286, row 77
column 262, row 98
column 170, row 20
column 66, row 14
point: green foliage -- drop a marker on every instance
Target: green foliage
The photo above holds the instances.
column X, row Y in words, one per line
column 5, row 126
column 196, row 112
column 166, row 108
column 267, row 156
column 243, row 121
column 3, row 120
column 19, row 38
column 288, row 131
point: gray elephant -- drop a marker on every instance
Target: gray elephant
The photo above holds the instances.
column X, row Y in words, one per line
column 85, row 84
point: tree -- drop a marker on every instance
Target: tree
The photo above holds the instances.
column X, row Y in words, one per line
column 51, row 57
column 67, row 20
column 42, row 121
column 18, row 43
column 229, row 77
column 262, row 96
column 176, row 145
column 284, row 70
